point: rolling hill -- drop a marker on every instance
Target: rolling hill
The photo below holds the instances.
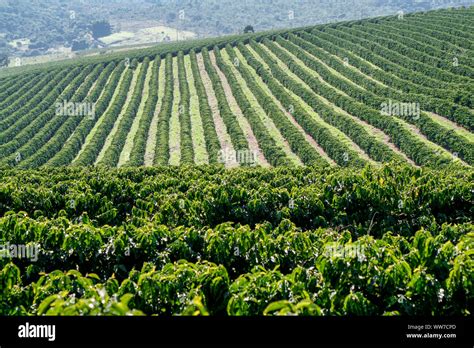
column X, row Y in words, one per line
column 348, row 94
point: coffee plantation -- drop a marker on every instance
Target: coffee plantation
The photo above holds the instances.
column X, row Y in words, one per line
column 395, row 240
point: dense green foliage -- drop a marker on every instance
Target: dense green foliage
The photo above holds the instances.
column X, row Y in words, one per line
column 376, row 221
column 198, row 241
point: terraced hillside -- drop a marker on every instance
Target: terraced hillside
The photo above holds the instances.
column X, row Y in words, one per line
column 350, row 94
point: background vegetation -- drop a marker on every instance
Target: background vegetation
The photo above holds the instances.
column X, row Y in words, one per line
column 32, row 27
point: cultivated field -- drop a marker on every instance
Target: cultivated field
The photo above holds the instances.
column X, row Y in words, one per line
column 350, row 94
column 339, row 182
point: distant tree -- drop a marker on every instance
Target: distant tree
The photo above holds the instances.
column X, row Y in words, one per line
column 101, row 29
column 249, row 29
column 79, row 45
column 4, row 59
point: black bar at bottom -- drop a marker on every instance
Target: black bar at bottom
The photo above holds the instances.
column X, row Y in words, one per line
column 290, row 331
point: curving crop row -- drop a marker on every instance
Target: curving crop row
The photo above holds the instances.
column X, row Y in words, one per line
column 433, row 37
column 433, row 131
column 37, row 105
column 449, row 18
column 237, row 135
column 356, row 67
column 404, row 29
column 459, row 21
column 272, row 152
column 429, row 65
column 441, row 105
column 374, row 148
column 461, row 34
column 408, row 143
column 400, row 82
column 295, row 138
column 187, row 147
column 10, row 85
column 383, row 63
column 51, row 137
column 16, row 101
column 175, row 136
column 440, row 33
column 210, row 134
column 162, row 154
column 428, row 51
column 432, row 46
column 426, row 71
column 28, row 127
column 112, row 154
column 198, row 136
column 104, row 89
column 93, row 147
column 137, row 154
column 16, row 95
